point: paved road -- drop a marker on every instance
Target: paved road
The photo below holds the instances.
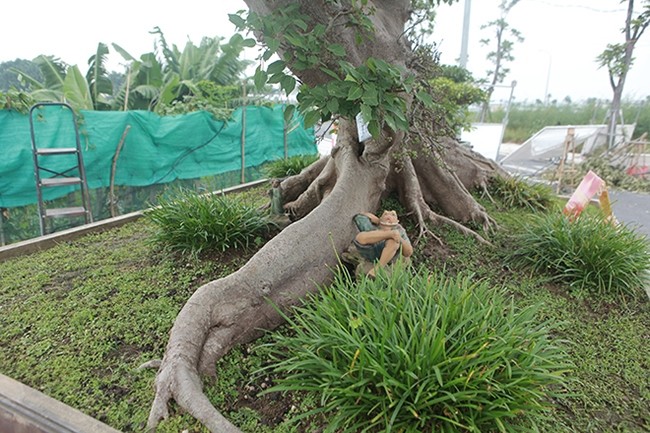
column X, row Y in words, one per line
column 632, row 209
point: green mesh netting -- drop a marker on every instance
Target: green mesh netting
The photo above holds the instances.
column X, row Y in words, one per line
column 156, row 149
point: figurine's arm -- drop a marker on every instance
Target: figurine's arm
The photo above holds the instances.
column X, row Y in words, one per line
column 373, row 218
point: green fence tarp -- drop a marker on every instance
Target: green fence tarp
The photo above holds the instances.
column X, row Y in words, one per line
column 157, row 149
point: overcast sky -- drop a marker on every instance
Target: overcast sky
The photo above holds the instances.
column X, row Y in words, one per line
column 562, row 37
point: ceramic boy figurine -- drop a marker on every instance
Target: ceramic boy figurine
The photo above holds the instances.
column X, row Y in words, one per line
column 383, row 240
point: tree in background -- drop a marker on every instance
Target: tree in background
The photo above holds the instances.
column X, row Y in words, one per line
column 619, row 58
column 502, row 52
column 348, row 59
column 9, row 78
column 59, row 82
column 150, row 82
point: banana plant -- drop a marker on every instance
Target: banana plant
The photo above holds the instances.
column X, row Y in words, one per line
column 209, row 61
column 76, row 91
column 143, row 84
column 64, row 83
column 100, row 86
column 50, row 88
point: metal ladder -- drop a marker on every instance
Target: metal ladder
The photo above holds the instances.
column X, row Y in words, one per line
column 74, row 175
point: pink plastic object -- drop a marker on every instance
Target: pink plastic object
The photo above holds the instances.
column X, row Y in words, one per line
column 590, row 185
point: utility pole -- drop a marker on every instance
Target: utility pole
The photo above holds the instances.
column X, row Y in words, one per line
column 463, row 48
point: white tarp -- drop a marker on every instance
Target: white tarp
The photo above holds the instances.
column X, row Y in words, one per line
column 548, row 143
column 484, row 138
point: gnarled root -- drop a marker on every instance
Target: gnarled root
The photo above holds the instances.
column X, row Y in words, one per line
column 313, row 194
column 234, row 309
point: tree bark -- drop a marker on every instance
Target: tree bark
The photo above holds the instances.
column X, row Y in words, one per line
column 323, row 200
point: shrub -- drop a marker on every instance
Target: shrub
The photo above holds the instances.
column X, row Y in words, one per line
column 289, row 166
column 588, row 253
column 191, row 223
column 418, row 352
column 515, row 192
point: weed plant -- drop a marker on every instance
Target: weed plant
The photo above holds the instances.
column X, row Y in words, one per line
column 515, row 192
column 589, row 254
column 192, row 223
column 289, row 166
column 418, row 352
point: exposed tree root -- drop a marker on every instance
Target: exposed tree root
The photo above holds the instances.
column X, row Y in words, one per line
column 234, row 309
column 322, row 201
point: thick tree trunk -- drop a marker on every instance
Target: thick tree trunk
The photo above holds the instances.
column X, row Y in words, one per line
column 323, row 200
column 234, row 309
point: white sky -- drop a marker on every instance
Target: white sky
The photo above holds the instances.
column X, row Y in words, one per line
column 562, row 37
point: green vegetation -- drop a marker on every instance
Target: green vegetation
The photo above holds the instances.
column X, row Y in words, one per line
column 516, row 192
column 289, row 166
column 77, row 320
column 193, row 223
column 419, row 352
column 177, row 81
column 588, row 254
column 21, row 223
column 525, row 120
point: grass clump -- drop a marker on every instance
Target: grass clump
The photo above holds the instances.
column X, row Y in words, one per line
column 419, row 352
column 192, row 223
column 587, row 254
column 515, row 192
column 289, row 166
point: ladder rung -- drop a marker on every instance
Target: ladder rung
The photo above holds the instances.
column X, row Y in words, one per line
column 65, row 212
column 56, row 150
column 60, row 181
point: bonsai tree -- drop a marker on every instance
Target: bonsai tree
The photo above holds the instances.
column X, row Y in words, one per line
column 347, row 59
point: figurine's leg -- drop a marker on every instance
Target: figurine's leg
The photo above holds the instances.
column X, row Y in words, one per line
column 387, row 254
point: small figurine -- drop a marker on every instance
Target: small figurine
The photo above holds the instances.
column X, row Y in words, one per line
column 381, row 239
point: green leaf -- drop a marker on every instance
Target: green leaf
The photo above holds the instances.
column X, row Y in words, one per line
column 297, row 41
column 275, row 67
column 318, row 30
column 288, row 83
column 337, row 49
column 330, row 73
column 390, row 121
column 76, row 91
column 236, row 39
column 300, row 24
column 237, row 20
column 366, row 113
column 276, row 78
column 272, row 45
column 371, row 64
column 249, row 42
column 289, row 110
column 425, row 98
column 311, row 117
column 355, row 93
column 373, row 128
column 337, row 89
column 370, row 95
column 260, row 78
column 333, row 105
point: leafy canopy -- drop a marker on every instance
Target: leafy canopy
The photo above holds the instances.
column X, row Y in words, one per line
column 374, row 88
